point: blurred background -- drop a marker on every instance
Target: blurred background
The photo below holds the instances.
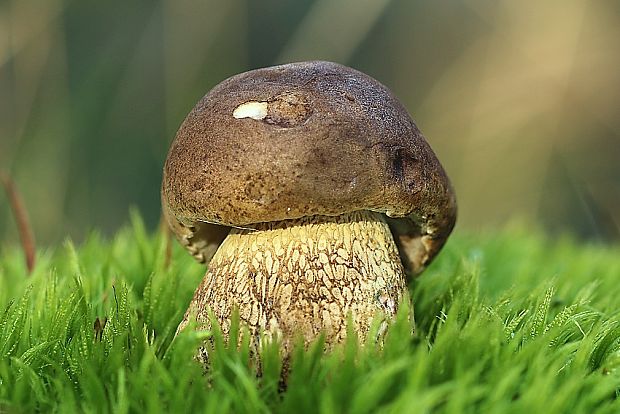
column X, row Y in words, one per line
column 519, row 99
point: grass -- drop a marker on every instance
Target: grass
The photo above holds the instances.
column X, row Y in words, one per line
column 505, row 322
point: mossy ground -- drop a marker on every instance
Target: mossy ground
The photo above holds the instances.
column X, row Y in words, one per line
column 505, row 322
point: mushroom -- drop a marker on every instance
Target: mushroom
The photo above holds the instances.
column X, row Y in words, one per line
column 310, row 193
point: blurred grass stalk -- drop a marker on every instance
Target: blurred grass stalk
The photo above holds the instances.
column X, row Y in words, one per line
column 22, row 221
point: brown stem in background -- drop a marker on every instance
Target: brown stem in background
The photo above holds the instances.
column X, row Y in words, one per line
column 21, row 219
column 168, row 236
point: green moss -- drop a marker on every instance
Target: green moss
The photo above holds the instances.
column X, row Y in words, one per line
column 505, row 322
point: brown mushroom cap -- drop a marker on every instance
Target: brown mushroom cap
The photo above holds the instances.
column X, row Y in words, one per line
column 319, row 139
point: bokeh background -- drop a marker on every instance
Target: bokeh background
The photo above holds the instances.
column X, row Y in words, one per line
column 519, row 99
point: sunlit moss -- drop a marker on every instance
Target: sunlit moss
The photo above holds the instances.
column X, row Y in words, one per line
column 506, row 322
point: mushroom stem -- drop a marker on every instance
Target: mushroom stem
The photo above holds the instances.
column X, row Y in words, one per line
column 303, row 277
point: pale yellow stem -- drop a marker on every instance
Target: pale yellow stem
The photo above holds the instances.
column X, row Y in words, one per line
column 304, row 277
